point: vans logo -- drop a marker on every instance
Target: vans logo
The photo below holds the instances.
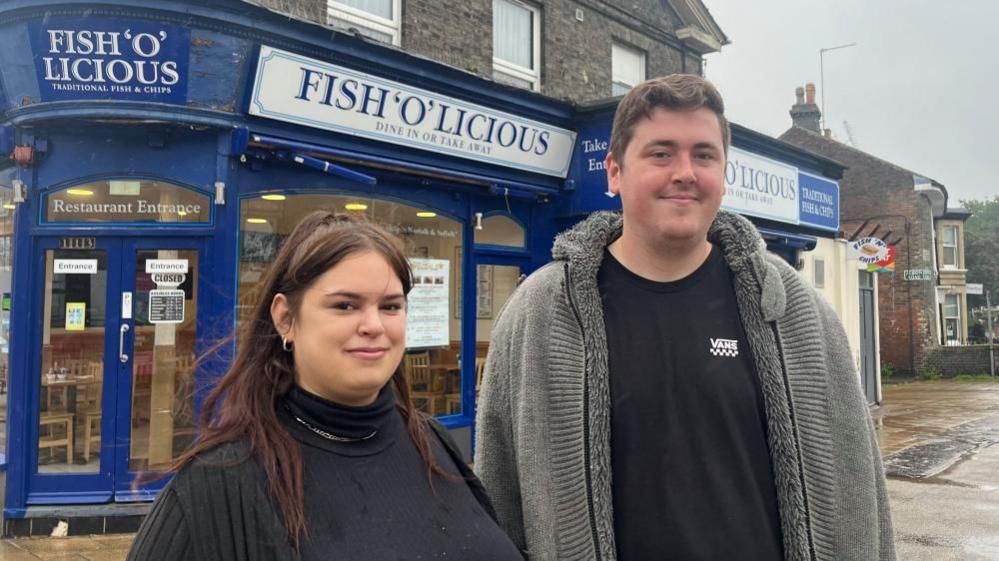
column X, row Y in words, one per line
column 724, row 347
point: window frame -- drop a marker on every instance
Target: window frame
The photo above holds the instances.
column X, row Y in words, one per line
column 819, row 265
column 533, row 76
column 955, row 318
column 617, row 46
column 337, row 11
column 944, row 246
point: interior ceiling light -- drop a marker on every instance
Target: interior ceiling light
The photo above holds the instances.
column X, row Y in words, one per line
column 9, row 206
column 273, row 197
column 80, row 192
column 182, row 212
column 426, row 214
column 257, row 220
column 355, row 206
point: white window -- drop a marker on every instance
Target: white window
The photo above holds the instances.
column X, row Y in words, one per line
column 627, row 69
column 516, row 44
column 819, row 270
column 952, row 319
column 376, row 19
column 950, row 247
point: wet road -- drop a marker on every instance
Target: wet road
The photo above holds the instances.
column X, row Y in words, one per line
column 939, row 440
column 939, row 443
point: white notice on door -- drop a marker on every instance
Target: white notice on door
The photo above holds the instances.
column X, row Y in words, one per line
column 75, row 267
column 166, row 306
column 166, row 265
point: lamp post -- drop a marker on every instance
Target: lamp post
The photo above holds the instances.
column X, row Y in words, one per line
column 822, row 76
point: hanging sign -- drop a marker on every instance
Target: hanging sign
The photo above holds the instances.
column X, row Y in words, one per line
column 974, row 288
column 166, row 266
column 169, row 280
column 75, row 267
column 873, row 255
column 427, row 320
column 76, row 316
column 309, row 92
column 92, row 58
column 166, row 306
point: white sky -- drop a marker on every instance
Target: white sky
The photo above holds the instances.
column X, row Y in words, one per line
column 920, row 88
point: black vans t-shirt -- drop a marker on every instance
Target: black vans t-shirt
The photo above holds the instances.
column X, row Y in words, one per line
column 692, row 477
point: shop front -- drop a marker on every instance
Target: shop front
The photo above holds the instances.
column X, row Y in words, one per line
column 157, row 160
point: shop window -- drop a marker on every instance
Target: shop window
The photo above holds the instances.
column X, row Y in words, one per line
column 627, row 68
column 375, row 19
column 6, row 274
column 516, row 44
column 432, row 243
column 952, row 319
column 500, row 230
column 819, row 273
column 949, row 244
column 129, row 201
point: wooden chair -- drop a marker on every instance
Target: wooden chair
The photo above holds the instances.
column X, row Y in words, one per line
column 51, row 422
column 90, row 419
column 421, row 384
column 418, row 371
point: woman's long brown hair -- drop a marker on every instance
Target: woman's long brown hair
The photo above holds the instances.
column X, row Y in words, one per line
column 244, row 403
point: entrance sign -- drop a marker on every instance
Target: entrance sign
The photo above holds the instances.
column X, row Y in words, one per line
column 313, row 93
column 89, row 58
column 975, row 288
column 166, row 306
column 76, row 316
column 166, row 266
column 75, row 267
column 427, row 321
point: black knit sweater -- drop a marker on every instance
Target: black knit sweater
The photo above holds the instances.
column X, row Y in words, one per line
column 364, row 500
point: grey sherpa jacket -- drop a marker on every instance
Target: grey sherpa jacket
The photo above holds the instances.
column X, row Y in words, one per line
column 543, row 426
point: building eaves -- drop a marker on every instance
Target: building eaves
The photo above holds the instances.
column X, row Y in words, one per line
column 695, row 13
column 791, row 132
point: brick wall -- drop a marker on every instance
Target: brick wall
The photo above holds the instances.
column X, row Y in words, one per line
column 952, row 361
column 575, row 55
column 882, row 194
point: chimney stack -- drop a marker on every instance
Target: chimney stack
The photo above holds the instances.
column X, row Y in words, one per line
column 804, row 113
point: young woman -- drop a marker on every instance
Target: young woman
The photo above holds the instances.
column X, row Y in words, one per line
column 309, row 446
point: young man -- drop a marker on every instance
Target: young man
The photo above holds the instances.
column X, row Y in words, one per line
column 666, row 389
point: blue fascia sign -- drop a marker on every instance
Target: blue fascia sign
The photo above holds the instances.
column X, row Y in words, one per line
column 754, row 185
column 89, row 58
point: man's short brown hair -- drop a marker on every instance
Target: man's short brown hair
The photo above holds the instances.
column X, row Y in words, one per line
column 677, row 92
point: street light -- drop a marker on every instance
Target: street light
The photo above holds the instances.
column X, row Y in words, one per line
column 822, row 77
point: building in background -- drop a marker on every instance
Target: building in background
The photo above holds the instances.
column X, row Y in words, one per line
column 899, row 207
column 952, row 287
column 576, row 50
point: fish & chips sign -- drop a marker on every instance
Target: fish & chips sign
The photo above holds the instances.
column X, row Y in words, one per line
column 91, row 58
column 305, row 91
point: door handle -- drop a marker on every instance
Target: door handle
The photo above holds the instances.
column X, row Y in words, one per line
column 121, row 343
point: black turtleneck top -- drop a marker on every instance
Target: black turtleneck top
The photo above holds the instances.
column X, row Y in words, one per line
column 367, row 497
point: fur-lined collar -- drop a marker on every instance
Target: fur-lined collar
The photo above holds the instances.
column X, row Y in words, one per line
column 583, row 245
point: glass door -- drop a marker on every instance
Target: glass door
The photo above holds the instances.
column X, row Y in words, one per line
column 117, row 341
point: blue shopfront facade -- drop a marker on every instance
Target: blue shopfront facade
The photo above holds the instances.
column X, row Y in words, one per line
column 155, row 159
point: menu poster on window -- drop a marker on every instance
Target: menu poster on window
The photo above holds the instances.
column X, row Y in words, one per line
column 427, row 310
column 76, row 316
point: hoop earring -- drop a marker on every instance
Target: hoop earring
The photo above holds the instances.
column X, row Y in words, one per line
column 286, row 345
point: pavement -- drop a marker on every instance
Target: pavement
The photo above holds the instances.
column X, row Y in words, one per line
column 939, row 440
